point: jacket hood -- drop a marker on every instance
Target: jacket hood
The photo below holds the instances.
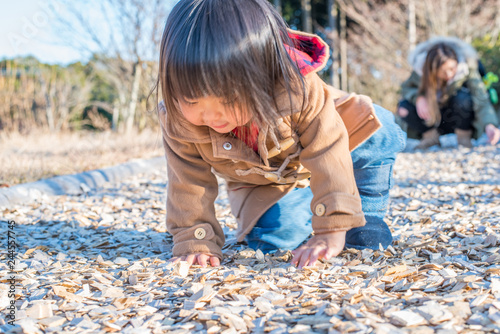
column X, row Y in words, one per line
column 310, row 51
column 464, row 51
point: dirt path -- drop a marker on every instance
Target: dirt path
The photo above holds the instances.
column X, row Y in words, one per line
column 97, row 263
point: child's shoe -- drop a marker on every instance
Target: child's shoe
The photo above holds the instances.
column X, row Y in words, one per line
column 464, row 137
column 429, row 138
column 375, row 232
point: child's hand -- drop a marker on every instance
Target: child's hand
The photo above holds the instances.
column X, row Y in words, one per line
column 422, row 108
column 321, row 246
column 198, row 258
column 493, row 134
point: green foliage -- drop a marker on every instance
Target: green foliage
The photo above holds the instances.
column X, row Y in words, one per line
column 489, row 51
column 291, row 13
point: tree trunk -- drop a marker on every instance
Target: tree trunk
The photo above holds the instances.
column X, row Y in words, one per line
column 118, row 108
column 7, row 106
column 444, row 18
column 412, row 24
column 50, row 101
column 62, row 123
column 49, row 112
column 114, row 120
column 306, row 15
column 133, row 98
column 343, row 50
column 332, row 13
column 466, row 12
column 496, row 34
column 277, row 4
column 45, row 92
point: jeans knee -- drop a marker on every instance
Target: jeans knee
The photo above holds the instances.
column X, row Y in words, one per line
column 286, row 224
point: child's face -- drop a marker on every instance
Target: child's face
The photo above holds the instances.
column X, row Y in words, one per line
column 448, row 70
column 213, row 112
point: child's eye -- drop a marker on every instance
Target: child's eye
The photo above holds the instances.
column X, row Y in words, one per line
column 228, row 102
column 190, row 102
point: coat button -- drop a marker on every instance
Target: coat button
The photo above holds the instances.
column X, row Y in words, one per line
column 227, row 146
column 200, row 233
column 320, row 209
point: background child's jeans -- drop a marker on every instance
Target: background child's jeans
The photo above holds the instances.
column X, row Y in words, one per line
column 288, row 223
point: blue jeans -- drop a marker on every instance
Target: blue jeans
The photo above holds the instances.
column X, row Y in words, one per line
column 287, row 224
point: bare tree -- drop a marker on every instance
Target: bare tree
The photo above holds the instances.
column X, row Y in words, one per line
column 306, row 15
column 496, row 32
column 123, row 40
column 277, row 4
column 343, row 51
column 412, row 24
column 381, row 34
column 465, row 19
column 333, row 37
column 34, row 95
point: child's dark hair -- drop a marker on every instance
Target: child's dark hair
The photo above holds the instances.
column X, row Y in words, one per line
column 233, row 49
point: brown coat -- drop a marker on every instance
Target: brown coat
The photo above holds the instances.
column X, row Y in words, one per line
column 196, row 154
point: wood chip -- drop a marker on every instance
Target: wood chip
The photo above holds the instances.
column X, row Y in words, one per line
column 181, row 268
column 52, row 321
column 40, row 311
column 407, row 319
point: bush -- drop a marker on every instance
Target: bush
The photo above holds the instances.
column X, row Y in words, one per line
column 489, row 52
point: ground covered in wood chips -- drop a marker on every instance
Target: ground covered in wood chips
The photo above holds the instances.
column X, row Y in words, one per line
column 98, row 263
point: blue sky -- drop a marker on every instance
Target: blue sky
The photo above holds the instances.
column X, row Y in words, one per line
column 26, row 28
column 30, row 27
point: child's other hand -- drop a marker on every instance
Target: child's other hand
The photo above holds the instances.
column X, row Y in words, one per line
column 422, row 108
column 493, row 134
column 198, row 258
column 320, row 246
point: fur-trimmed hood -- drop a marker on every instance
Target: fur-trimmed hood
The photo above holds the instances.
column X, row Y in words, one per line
column 466, row 54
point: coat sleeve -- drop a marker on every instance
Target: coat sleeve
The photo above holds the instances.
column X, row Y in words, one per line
column 409, row 88
column 483, row 109
column 191, row 191
column 336, row 204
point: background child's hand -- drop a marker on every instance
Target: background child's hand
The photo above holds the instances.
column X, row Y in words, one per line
column 321, row 246
column 422, row 108
column 198, row 258
column 493, row 134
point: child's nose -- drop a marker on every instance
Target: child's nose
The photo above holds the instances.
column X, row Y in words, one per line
column 211, row 115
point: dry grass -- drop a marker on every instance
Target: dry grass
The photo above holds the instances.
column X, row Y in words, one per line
column 27, row 158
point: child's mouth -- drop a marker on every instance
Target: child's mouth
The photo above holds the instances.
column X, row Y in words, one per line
column 219, row 126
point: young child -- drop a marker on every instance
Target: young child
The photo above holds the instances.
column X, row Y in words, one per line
column 243, row 100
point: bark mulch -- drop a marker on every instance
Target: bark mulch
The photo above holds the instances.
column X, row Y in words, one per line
column 97, row 263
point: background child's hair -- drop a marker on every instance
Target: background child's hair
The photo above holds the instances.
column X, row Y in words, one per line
column 232, row 49
column 436, row 57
